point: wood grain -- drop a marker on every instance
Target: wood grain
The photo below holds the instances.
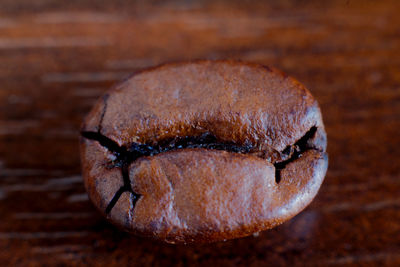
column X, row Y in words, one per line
column 57, row 58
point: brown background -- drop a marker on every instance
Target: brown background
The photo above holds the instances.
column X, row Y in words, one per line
column 58, row 57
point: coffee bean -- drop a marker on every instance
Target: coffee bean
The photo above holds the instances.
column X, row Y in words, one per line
column 203, row 151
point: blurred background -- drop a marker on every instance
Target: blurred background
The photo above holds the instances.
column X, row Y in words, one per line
column 58, row 57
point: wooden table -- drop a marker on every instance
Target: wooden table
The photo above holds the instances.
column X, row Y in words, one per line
column 58, row 57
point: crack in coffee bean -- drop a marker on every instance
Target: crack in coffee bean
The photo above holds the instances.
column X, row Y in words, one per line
column 105, row 100
column 120, row 153
column 296, row 151
column 125, row 188
column 126, row 155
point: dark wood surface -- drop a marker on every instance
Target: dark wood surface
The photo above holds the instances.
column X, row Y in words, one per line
column 58, row 57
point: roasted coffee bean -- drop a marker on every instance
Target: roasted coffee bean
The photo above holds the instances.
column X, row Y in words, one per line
column 203, row 151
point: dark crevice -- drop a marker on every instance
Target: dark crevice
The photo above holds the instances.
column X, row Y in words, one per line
column 106, row 142
column 127, row 185
column 206, row 140
column 115, row 198
column 125, row 155
column 121, row 154
column 105, row 99
column 125, row 188
column 296, row 151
